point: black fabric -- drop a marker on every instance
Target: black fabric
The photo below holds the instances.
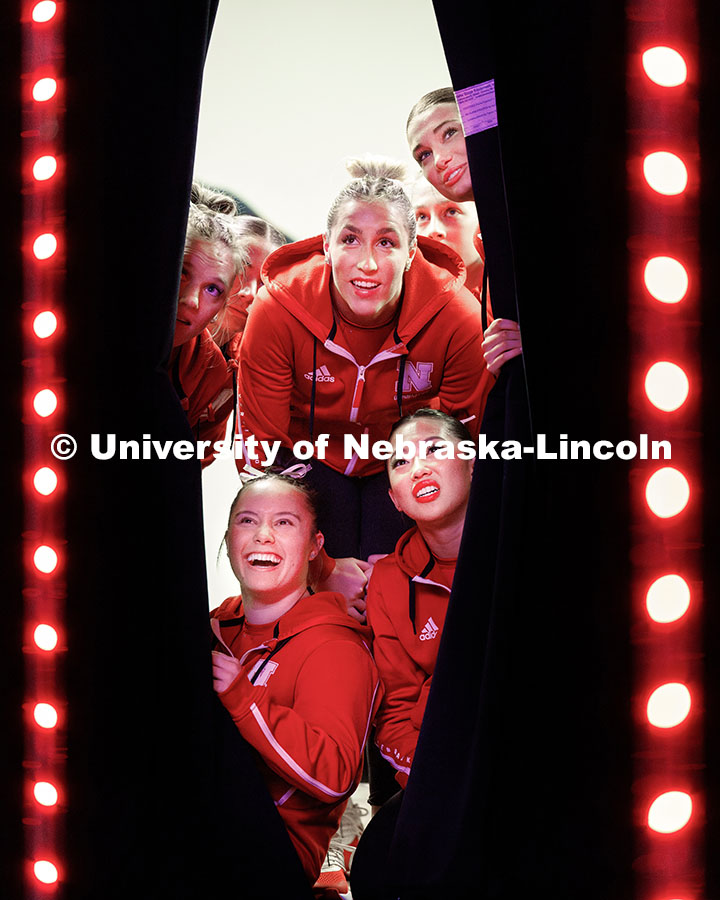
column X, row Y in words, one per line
column 355, row 514
column 164, row 800
column 520, row 784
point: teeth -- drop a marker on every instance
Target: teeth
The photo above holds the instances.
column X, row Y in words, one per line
column 365, row 284
column 263, row 559
column 426, row 491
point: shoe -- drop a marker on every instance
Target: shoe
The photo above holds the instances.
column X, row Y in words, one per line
column 343, row 844
column 350, row 830
column 332, row 873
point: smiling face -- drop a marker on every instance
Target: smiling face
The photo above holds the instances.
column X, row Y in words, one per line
column 271, row 539
column 455, row 224
column 207, row 274
column 432, row 491
column 437, row 143
column 369, row 250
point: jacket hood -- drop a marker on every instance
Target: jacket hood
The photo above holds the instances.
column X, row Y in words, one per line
column 412, row 554
column 323, row 608
column 298, row 277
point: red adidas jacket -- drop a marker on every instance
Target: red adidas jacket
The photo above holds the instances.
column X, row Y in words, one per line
column 405, row 644
column 294, row 368
column 202, row 378
column 308, row 713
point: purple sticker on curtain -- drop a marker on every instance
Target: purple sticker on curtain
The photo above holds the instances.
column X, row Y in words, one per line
column 477, row 107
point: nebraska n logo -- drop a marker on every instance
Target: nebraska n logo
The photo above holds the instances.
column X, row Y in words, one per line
column 267, row 667
column 416, row 377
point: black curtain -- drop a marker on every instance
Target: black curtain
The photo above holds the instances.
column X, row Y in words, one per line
column 521, row 783
column 163, row 796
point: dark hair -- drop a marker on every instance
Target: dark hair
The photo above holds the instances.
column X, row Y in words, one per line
column 310, row 495
column 430, row 101
column 457, row 429
column 253, row 228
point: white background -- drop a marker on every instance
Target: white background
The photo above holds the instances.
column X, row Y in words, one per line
column 291, row 89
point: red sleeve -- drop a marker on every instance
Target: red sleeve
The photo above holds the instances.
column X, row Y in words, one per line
column 213, row 430
column 466, row 381
column 315, row 745
column 396, row 731
column 266, row 371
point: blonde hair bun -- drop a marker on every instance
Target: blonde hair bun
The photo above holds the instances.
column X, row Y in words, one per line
column 376, row 167
column 213, row 200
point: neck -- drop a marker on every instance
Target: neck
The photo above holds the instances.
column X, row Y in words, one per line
column 443, row 538
column 474, row 277
column 259, row 610
column 382, row 316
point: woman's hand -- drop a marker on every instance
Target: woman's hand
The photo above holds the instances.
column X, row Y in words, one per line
column 350, row 578
column 225, row 670
column 502, row 341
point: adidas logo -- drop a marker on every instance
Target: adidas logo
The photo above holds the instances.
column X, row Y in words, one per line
column 321, row 374
column 430, row 630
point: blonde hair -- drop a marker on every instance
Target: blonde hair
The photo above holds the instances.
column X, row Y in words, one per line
column 376, row 179
column 210, row 219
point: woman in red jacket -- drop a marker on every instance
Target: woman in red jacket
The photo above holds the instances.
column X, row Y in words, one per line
column 437, row 142
column 453, row 223
column 260, row 239
column 409, row 590
column 292, row 668
column 349, row 331
column 214, row 257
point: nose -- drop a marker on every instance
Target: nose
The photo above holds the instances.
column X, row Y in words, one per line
column 367, row 263
column 435, row 229
column 418, row 467
column 442, row 160
column 189, row 297
column 264, row 533
column 249, row 288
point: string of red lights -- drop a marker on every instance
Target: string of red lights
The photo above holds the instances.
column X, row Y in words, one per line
column 44, row 488
column 664, row 401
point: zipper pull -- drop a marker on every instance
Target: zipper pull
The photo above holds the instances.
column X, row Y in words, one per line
column 357, row 396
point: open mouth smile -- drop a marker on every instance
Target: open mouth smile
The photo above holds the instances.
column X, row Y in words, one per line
column 453, row 176
column 362, row 285
column 264, row 560
column 426, row 491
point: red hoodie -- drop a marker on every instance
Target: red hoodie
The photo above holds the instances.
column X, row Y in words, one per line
column 406, row 610
column 308, row 713
column 294, row 368
column 202, row 378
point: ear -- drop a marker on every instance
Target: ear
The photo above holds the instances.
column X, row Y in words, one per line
column 318, row 539
column 395, row 503
column 326, row 249
column 411, row 255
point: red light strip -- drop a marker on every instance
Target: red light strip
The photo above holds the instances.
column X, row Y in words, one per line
column 44, row 589
column 664, row 403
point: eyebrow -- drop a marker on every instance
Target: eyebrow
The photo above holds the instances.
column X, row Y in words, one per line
column 387, row 230
column 428, row 441
column 435, row 131
column 252, row 512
